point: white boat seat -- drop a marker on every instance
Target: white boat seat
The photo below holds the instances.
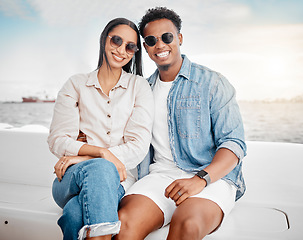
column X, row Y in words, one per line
column 271, row 208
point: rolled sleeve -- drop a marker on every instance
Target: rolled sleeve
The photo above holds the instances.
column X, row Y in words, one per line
column 234, row 147
column 226, row 118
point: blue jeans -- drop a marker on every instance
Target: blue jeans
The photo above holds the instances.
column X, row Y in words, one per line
column 89, row 194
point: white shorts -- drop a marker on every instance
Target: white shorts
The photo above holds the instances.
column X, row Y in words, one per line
column 153, row 186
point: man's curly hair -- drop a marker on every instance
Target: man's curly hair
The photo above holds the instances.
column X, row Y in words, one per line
column 158, row 13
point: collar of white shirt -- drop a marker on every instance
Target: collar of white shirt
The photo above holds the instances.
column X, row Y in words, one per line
column 93, row 80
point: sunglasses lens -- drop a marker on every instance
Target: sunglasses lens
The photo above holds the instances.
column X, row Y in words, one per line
column 150, row 40
column 167, row 37
column 116, row 41
column 131, row 48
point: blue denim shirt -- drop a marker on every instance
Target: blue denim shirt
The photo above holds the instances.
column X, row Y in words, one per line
column 203, row 116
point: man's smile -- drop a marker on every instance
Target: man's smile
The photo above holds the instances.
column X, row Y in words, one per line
column 162, row 54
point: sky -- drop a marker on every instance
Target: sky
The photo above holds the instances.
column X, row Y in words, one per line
column 256, row 44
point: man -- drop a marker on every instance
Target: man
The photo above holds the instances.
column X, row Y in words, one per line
column 198, row 143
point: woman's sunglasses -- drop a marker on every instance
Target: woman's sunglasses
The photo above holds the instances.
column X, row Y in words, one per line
column 151, row 41
column 116, row 41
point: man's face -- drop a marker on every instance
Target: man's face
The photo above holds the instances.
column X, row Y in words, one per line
column 164, row 55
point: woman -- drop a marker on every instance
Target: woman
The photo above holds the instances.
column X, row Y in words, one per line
column 113, row 107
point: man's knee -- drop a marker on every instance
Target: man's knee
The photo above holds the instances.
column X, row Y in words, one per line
column 189, row 227
column 127, row 225
column 136, row 220
column 126, row 218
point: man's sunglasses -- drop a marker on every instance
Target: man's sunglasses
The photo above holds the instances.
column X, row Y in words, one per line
column 116, row 41
column 151, row 41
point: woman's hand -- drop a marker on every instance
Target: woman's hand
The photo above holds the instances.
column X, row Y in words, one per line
column 181, row 189
column 99, row 152
column 65, row 162
column 106, row 154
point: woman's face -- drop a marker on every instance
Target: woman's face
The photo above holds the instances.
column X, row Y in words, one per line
column 117, row 55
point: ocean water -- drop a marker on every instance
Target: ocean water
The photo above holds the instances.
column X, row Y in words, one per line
column 273, row 122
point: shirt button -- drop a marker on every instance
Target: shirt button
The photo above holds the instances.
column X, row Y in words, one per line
column 108, row 102
column 108, row 115
column 108, row 133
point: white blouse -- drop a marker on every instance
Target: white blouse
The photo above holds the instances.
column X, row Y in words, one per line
column 121, row 122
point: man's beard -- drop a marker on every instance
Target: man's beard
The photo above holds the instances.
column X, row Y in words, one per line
column 164, row 67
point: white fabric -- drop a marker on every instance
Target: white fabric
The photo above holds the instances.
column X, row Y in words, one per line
column 164, row 171
column 120, row 122
column 153, row 186
column 160, row 137
column 101, row 229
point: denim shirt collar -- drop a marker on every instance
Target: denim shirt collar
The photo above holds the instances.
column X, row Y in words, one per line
column 184, row 71
column 185, row 68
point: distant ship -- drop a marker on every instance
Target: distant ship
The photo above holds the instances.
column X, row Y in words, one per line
column 32, row 99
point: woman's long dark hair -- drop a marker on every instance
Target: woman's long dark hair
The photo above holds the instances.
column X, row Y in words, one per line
column 135, row 64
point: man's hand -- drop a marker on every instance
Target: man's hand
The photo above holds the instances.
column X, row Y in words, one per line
column 82, row 137
column 181, row 189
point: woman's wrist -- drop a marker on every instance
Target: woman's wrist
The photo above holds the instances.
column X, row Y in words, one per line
column 93, row 151
column 102, row 152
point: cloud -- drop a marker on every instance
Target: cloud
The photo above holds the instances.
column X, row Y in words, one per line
column 15, row 8
column 219, row 34
column 214, row 12
column 261, row 62
column 277, row 38
column 79, row 12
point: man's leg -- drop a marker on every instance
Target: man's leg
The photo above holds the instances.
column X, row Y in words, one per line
column 139, row 216
column 194, row 219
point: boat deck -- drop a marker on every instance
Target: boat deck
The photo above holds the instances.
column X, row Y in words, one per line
column 272, row 207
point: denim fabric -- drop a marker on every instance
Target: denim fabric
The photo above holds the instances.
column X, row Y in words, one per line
column 203, row 116
column 89, row 194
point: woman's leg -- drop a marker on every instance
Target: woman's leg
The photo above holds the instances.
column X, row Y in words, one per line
column 65, row 195
column 97, row 184
column 71, row 220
